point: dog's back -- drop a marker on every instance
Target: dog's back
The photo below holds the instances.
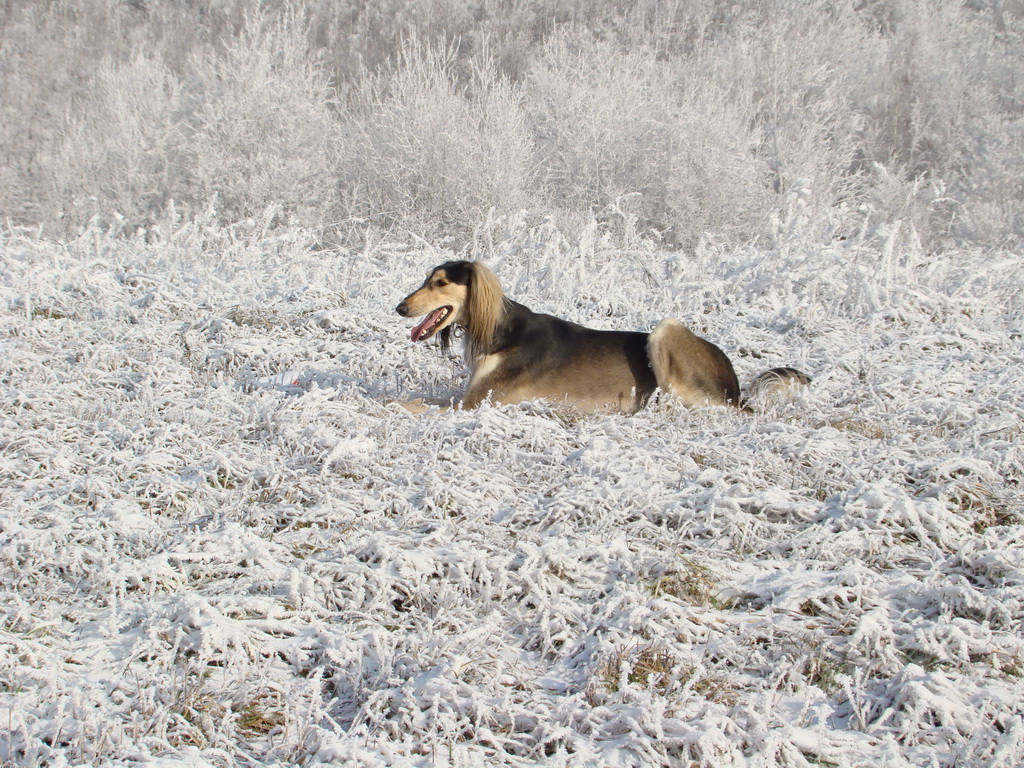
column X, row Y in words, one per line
column 540, row 356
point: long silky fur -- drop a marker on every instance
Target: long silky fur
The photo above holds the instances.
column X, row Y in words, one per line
column 485, row 304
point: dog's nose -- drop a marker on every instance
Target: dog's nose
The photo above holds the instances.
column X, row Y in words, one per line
column 402, row 309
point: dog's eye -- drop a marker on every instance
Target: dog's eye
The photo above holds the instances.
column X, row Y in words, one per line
column 440, row 283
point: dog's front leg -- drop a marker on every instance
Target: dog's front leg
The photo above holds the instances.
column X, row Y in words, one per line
column 419, row 405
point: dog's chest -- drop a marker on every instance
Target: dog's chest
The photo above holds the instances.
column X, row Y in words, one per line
column 483, row 367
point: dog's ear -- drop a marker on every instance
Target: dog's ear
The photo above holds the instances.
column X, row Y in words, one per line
column 484, row 303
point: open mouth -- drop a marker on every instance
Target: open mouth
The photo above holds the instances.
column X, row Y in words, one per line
column 430, row 324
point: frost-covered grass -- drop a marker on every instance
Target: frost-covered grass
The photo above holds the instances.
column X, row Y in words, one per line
column 222, row 542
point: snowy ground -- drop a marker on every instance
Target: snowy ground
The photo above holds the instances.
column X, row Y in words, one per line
column 222, row 543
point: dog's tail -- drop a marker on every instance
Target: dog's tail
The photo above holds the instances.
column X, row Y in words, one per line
column 778, row 385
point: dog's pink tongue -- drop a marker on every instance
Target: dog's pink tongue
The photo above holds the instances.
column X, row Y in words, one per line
column 430, row 319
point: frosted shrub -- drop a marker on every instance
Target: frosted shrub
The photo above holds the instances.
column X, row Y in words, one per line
column 125, row 151
column 946, row 109
column 610, row 123
column 904, row 109
column 800, row 70
column 798, row 77
column 705, row 117
column 252, row 129
column 436, row 155
column 264, row 132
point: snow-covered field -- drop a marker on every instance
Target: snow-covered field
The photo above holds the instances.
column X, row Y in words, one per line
column 223, row 543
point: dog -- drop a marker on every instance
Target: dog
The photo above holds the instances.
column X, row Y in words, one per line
column 516, row 354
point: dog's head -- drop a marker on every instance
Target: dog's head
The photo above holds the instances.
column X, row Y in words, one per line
column 462, row 293
column 442, row 298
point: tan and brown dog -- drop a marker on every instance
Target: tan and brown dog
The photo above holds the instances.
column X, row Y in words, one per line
column 516, row 354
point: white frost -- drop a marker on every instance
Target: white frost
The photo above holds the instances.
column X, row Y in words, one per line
column 222, row 542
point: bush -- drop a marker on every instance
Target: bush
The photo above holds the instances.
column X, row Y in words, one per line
column 252, row 128
column 263, row 131
column 611, row 123
column 705, row 118
column 126, row 150
column 436, row 155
